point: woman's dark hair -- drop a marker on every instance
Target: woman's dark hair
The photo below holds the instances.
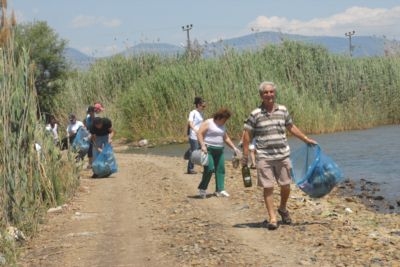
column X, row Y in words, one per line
column 222, row 113
column 198, row 100
column 97, row 121
column 51, row 117
column 90, row 109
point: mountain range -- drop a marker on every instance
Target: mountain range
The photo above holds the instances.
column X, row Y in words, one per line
column 360, row 45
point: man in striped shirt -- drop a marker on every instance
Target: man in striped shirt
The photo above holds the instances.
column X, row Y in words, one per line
column 267, row 124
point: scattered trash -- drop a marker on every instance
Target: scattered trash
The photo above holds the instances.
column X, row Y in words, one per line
column 54, row 210
column 374, row 235
column 348, row 210
column 38, row 148
column 2, row 259
column 143, row 142
column 15, row 234
column 299, row 199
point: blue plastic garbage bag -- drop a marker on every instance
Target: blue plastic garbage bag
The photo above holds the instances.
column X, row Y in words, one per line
column 81, row 142
column 314, row 172
column 105, row 163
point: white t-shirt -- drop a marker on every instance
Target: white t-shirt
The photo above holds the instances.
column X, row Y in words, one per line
column 196, row 118
column 73, row 128
column 54, row 131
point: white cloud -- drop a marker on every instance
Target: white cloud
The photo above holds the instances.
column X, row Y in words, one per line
column 83, row 21
column 365, row 21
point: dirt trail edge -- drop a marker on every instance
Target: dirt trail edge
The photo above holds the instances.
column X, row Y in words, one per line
column 148, row 214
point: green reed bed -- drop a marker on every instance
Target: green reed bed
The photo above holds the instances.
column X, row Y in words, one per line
column 150, row 96
column 31, row 181
column 103, row 82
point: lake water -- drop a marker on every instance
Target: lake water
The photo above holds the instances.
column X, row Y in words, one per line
column 372, row 154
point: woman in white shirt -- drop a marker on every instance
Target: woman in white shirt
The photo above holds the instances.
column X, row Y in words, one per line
column 212, row 136
column 52, row 127
column 194, row 121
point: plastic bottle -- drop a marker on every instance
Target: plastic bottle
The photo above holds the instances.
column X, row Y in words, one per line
column 246, row 176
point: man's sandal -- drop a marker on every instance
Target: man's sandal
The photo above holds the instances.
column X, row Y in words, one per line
column 272, row 226
column 285, row 216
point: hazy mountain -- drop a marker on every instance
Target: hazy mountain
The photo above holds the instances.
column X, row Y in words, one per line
column 78, row 59
column 361, row 46
column 154, row 48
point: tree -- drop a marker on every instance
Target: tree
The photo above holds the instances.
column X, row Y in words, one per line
column 46, row 51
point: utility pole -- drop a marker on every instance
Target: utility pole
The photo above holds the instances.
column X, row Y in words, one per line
column 187, row 28
column 349, row 34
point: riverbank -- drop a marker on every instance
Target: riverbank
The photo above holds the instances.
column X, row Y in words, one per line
column 374, row 176
column 148, row 214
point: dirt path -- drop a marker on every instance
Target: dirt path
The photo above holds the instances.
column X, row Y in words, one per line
column 148, row 215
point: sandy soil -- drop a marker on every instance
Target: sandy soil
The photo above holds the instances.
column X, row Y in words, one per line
column 148, row 214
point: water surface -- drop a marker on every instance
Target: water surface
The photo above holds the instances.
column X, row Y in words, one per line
column 371, row 154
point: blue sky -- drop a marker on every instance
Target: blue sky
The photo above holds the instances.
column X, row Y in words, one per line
column 101, row 28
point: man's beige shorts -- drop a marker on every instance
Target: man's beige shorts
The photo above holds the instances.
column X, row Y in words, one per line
column 270, row 171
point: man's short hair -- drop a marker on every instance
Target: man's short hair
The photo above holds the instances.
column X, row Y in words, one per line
column 264, row 84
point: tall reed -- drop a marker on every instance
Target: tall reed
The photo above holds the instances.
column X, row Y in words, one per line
column 150, row 97
column 31, row 179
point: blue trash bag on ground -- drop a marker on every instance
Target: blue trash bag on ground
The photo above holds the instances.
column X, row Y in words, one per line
column 81, row 141
column 314, row 172
column 105, row 163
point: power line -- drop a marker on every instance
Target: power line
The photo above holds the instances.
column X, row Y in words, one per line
column 349, row 34
column 187, row 28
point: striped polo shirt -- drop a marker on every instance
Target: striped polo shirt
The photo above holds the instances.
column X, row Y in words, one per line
column 269, row 131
